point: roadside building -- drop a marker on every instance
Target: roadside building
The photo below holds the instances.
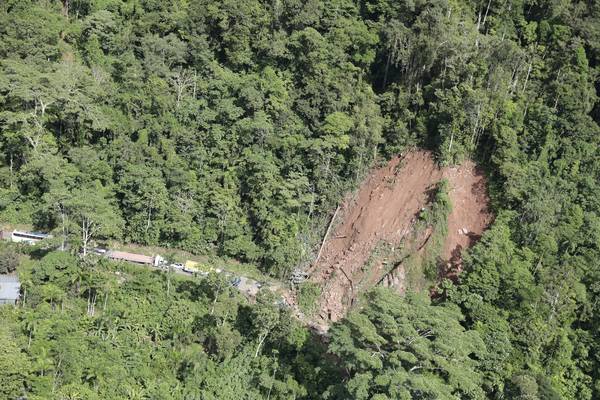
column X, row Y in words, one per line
column 130, row 257
column 10, row 289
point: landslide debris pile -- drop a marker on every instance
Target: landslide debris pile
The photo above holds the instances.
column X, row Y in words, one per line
column 379, row 231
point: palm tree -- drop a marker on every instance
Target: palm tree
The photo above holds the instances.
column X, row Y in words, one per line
column 30, row 323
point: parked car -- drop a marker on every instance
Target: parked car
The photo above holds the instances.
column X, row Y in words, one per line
column 235, row 282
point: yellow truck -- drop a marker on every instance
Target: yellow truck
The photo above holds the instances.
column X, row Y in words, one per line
column 191, row 266
column 194, row 267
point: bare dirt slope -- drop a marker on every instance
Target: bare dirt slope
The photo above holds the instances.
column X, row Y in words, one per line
column 383, row 214
column 470, row 214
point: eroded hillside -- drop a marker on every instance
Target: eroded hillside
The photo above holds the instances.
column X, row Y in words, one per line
column 392, row 229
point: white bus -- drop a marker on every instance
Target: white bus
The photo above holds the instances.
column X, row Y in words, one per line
column 28, row 237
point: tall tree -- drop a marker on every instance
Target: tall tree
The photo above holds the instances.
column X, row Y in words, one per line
column 95, row 214
column 407, row 348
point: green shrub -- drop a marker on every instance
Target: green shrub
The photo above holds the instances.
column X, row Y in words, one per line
column 308, row 297
column 9, row 260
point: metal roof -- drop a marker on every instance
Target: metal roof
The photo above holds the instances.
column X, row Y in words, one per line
column 9, row 287
column 136, row 258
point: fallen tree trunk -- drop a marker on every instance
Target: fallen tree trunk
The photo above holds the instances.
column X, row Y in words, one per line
column 326, row 235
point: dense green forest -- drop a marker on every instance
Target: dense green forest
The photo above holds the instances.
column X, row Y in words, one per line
column 233, row 128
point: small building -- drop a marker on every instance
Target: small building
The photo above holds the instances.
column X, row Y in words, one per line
column 10, row 289
column 28, row 237
column 130, row 257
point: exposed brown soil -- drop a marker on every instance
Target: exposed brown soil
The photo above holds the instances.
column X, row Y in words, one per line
column 380, row 219
column 470, row 214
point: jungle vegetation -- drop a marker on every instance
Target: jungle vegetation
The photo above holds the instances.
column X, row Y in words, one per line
column 233, row 128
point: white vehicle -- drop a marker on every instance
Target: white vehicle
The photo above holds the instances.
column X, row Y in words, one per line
column 159, row 261
column 28, row 237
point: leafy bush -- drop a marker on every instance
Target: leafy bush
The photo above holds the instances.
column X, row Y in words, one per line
column 308, row 297
column 9, row 260
column 436, row 217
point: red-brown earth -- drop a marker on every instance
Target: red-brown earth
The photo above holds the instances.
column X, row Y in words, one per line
column 380, row 220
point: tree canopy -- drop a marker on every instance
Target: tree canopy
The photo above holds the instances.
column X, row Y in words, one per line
column 233, row 129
